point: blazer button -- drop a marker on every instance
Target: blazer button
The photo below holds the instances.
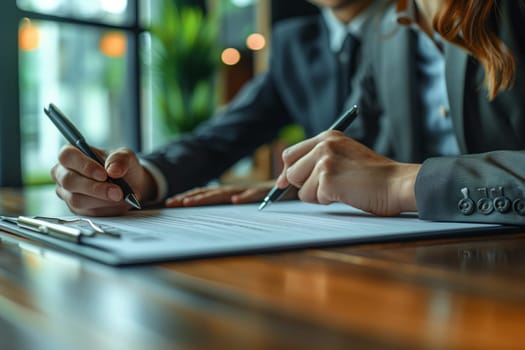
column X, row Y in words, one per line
column 502, row 204
column 485, row 206
column 519, row 206
column 466, row 206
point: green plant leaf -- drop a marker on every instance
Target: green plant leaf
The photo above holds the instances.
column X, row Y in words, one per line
column 185, row 60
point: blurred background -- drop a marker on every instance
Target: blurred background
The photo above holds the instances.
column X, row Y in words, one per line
column 133, row 73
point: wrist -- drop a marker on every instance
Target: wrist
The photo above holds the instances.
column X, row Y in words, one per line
column 405, row 185
column 154, row 183
column 148, row 186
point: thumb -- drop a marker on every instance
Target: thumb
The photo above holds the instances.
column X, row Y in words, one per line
column 119, row 162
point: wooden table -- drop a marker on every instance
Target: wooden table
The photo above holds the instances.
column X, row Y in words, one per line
column 444, row 294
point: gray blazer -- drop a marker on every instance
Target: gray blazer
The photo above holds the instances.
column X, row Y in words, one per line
column 487, row 182
column 299, row 87
column 387, row 89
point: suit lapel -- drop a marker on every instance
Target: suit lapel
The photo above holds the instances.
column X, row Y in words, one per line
column 403, row 97
column 456, row 60
column 322, row 80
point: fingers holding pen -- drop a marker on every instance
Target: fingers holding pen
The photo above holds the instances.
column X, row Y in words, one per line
column 73, row 159
column 83, row 204
column 75, row 173
column 117, row 163
column 120, row 162
column 74, row 182
column 124, row 163
column 301, row 159
column 290, row 156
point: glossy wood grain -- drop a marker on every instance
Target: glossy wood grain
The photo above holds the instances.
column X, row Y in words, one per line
column 438, row 294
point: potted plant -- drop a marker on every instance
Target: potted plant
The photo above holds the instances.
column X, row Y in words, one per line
column 185, row 60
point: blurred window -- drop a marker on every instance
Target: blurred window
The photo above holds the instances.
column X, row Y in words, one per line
column 118, row 12
column 82, row 56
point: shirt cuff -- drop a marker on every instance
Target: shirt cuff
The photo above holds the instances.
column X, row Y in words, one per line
column 158, row 177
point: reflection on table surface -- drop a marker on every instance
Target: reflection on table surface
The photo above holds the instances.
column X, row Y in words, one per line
column 38, row 200
column 453, row 293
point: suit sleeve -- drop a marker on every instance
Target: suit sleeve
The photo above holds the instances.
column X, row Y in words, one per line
column 489, row 186
column 253, row 118
column 485, row 188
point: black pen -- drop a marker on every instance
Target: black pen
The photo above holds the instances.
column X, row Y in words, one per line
column 341, row 124
column 71, row 133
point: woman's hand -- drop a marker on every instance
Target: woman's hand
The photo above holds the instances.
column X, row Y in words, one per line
column 228, row 194
column 332, row 167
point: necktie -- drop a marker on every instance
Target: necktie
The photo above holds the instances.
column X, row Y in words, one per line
column 346, row 59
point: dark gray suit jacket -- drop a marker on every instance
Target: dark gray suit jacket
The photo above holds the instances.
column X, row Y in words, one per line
column 299, row 87
column 487, row 183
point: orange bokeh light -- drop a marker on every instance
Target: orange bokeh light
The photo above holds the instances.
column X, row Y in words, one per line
column 230, row 56
column 113, row 44
column 28, row 36
column 256, row 42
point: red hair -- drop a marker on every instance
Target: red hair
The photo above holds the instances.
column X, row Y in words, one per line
column 467, row 23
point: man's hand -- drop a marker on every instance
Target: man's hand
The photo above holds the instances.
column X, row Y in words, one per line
column 81, row 181
column 228, row 194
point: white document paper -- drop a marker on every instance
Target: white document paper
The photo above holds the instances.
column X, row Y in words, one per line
column 169, row 234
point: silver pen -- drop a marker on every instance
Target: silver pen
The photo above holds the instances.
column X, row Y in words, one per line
column 58, row 228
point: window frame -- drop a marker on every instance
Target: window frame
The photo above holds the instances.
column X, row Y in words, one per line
column 10, row 129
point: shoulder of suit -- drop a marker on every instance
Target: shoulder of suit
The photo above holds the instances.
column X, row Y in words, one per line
column 382, row 25
column 383, row 20
column 519, row 3
column 298, row 25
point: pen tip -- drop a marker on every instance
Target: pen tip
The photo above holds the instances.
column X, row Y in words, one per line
column 133, row 201
column 263, row 205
